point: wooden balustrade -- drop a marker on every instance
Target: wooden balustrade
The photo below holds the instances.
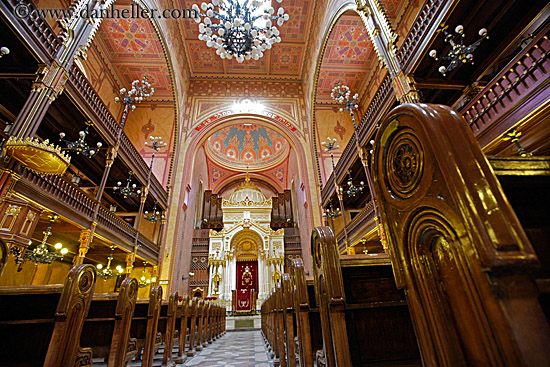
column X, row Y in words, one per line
column 60, row 190
column 39, row 34
column 513, row 93
column 109, row 126
column 117, row 225
column 426, row 23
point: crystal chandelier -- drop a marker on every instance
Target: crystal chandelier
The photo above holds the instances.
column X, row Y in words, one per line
column 242, row 29
column 353, row 190
column 155, row 215
column 80, row 146
column 107, row 272
column 459, row 53
column 41, row 254
column 128, row 191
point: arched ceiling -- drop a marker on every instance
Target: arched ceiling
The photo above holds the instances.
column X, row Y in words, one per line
column 284, row 61
column 131, row 49
column 349, row 57
column 247, row 144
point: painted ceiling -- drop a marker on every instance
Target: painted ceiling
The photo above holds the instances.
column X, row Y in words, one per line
column 349, row 56
column 247, row 145
column 131, row 49
column 284, row 61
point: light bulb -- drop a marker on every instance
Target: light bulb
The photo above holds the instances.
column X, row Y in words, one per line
column 58, row 246
column 99, row 266
column 64, row 251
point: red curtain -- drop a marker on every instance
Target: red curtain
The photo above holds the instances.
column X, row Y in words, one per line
column 247, row 281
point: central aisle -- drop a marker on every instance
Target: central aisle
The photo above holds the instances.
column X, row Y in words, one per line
column 236, row 348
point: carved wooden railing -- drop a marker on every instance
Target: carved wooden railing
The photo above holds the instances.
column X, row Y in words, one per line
column 518, row 85
column 61, row 191
column 39, row 32
column 144, row 241
column 108, row 125
column 424, row 26
column 363, row 220
column 116, row 225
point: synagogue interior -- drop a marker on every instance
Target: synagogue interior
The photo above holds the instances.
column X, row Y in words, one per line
column 358, row 183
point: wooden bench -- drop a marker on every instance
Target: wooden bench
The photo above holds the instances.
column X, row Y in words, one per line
column 167, row 326
column 365, row 318
column 106, row 329
column 41, row 325
column 308, row 338
column 144, row 326
column 182, row 325
column 192, row 322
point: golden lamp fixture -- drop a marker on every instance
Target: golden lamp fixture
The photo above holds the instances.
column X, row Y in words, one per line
column 39, row 156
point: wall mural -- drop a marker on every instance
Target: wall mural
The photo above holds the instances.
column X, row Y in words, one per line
column 247, row 145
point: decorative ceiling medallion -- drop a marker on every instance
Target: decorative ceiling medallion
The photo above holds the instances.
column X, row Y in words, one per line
column 245, row 145
column 41, row 157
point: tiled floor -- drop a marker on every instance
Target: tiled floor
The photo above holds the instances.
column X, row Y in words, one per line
column 237, row 348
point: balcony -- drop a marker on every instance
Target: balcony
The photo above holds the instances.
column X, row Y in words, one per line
column 518, row 90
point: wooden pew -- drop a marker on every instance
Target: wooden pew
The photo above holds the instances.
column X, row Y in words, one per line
column 183, row 325
column 3, row 255
column 308, row 322
column 107, row 327
column 145, row 326
column 365, row 318
column 200, row 324
column 193, row 316
column 41, row 325
column 167, row 326
column 456, row 245
column 289, row 321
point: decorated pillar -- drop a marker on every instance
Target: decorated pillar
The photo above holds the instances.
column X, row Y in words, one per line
column 84, row 242
column 383, row 38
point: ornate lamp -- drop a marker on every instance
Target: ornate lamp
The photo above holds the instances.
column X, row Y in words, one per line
column 4, row 51
column 458, row 54
column 155, row 215
column 107, row 272
column 41, row 254
column 353, row 190
column 331, row 213
column 137, row 93
column 128, row 191
column 513, row 135
column 239, row 28
column 144, row 281
column 80, row 146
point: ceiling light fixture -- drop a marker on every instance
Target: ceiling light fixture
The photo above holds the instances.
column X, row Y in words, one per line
column 243, row 28
column 107, row 272
column 41, row 254
column 459, row 53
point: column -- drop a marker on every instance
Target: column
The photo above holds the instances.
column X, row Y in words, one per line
column 84, row 242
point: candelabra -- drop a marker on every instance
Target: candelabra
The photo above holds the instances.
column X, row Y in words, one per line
column 156, row 144
column 41, row 254
column 459, row 53
column 80, row 146
column 239, row 28
column 128, row 191
column 107, row 272
column 137, row 93
column 4, row 51
column 353, row 190
column 155, row 215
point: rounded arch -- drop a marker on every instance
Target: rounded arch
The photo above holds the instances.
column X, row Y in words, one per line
column 244, row 236
column 256, row 179
column 198, row 140
column 344, row 8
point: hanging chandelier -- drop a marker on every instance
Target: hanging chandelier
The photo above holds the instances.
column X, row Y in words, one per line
column 331, row 213
column 242, row 29
column 144, row 281
column 80, row 146
column 41, row 254
column 155, row 215
column 128, row 191
column 459, row 53
column 353, row 190
column 107, row 272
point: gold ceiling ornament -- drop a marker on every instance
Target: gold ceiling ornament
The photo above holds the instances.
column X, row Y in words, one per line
column 39, row 156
